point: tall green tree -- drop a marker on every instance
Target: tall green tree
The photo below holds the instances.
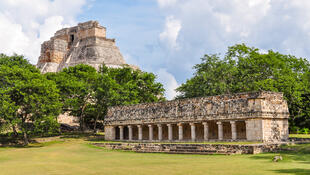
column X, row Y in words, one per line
column 87, row 93
column 28, row 100
column 244, row 69
column 76, row 85
column 124, row 86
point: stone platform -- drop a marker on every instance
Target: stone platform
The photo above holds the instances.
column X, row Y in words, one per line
column 253, row 116
column 188, row 148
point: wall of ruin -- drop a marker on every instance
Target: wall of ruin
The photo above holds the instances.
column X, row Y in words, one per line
column 193, row 148
column 85, row 43
column 275, row 129
column 254, row 129
column 222, row 107
column 109, row 133
column 268, row 130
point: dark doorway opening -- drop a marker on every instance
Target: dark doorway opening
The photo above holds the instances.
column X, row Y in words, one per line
column 71, row 38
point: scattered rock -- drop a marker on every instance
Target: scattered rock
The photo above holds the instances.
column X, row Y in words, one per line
column 277, row 158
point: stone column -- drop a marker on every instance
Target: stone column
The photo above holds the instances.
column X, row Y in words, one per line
column 129, row 132
column 160, row 132
column 180, row 125
column 170, row 132
column 121, row 132
column 233, row 130
column 205, row 131
column 220, row 130
column 113, row 133
column 140, row 132
column 150, row 132
column 193, row 131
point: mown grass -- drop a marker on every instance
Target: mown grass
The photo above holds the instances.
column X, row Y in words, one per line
column 300, row 135
column 76, row 156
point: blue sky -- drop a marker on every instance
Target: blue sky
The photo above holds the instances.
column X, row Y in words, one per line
column 166, row 37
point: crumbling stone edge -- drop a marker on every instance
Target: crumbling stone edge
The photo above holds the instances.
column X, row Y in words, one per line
column 177, row 148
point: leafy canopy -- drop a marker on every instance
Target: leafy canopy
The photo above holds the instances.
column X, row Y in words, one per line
column 28, row 100
column 87, row 93
column 245, row 69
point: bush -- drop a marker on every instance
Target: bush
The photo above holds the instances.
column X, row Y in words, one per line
column 294, row 130
column 304, row 131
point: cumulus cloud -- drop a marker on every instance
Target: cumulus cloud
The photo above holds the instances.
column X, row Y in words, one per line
column 166, row 3
column 169, row 82
column 211, row 26
column 24, row 25
column 208, row 27
column 171, row 31
column 130, row 60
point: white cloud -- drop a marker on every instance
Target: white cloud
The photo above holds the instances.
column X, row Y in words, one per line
column 24, row 25
column 130, row 60
column 12, row 38
column 171, row 31
column 208, row 27
column 169, row 82
column 166, row 3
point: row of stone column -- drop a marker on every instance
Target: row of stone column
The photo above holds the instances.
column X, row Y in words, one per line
column 180, row 129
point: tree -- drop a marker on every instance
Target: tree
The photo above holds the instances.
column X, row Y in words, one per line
column 7, row 112
column 247, row 69
column 76, row 85
column 87, row 94
column 124, row 86
column 29, row 100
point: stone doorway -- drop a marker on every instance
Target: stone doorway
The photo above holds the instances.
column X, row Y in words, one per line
column 241, row 130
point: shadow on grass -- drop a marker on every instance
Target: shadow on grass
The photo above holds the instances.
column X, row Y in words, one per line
column 89, row 136
column 299, row 153
column 37, row 142
column 296, row 171
column 32, row 145
column 95, row 138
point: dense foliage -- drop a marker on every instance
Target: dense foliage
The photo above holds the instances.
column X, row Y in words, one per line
column 245, row 69
column 123, row 86
column 87, row 93
column 76, row 87
column 28, row 101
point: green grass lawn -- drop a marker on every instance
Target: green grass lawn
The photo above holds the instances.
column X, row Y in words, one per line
column 75, row 156
column 300, row 135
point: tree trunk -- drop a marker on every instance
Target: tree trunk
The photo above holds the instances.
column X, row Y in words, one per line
column 14, row 131
column 26, row 142
column 24, row 130
column 95, row 125
column 82, row 118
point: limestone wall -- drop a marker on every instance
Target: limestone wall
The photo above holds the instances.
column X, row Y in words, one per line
column 109, row 133
column 223, row 107
column 85, row 43
column 275, row 129
column 193, row 148
column 68, row 119
column 254, row 129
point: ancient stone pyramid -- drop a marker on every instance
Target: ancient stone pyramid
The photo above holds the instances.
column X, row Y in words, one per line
column 85, row 43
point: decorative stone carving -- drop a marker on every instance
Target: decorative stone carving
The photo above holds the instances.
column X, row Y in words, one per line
column 85, row 43
column 253, row 116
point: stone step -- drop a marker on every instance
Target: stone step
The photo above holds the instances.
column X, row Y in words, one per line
column 188, row 147
column 185, row 152
column 199, row 153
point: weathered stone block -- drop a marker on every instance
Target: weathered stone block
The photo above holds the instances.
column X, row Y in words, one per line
column 85, row 43
column 255, row 116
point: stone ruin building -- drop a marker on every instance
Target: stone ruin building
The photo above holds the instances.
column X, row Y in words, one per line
column 85, row 43
column 253, row 116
